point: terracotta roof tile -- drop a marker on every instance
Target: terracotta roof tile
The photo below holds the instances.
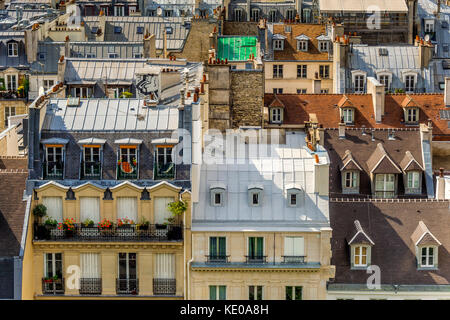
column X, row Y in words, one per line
column 290, row 43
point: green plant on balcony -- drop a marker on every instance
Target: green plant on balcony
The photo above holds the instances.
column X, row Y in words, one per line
column 105, row 226
column 143, row 225
column 177, row 208
column 126, row 95
column 88, row 223
column 50, row 222
column 68, row 225
column 39, row 211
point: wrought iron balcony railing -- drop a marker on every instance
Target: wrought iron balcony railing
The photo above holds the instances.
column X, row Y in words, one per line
column 90, row 286
column 127, row 286
column 164, row 171
column 164, row 286
column 294, row 259
column 217, row 259
column 53, row 170
column 152, row 232
column 255, row 259
column 91, row 170
column 51, row 286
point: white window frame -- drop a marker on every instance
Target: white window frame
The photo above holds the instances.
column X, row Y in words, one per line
column 386, row 76
column 119, row 10
column 217, row 291
column 12, row 82
column 272, row 16
column 429, row 26
column 13, row 49
column 359, row 82
column 277, row 71
column 298, row 193
column 349, row 115
column 251, row 193
column 303, row 68
column 221, row 193
column 278, row 44
column 53, row 261
column 324, row 46
column 255, row 292
column 9, row 112
column 82, row 92
column 416, row 181
column 276, row 115
column 322, row 71
column 360, row 255
column 427, row 256
column 238, row 14
column 411, row 115
column 406, row 80
column 385, row 184
column 302, row 45
column 254, row 14
column 351, row 176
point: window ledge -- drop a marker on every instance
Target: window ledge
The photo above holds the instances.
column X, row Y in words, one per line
column 426, row 268
column 359, row 268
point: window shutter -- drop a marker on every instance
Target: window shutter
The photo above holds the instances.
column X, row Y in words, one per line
column 212, row 293
column 90, row 265
column 90, row 209
column 212, row 246
column 222, row 292
column 54, row 207
column 288, row 246
column 260, row 247
column 127, row 208
column 222, row 246
column 299, row 246
column 164, row 266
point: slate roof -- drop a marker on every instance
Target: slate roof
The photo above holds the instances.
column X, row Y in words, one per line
column 368, row 153
column 390, row 225
column 154, row 25
column 13, row 176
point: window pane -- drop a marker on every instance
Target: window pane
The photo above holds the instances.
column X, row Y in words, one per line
column 222, row 292
column 212, row 293
column 288, row 293
column 213, row 246
column 298, row 293
column 251, row 293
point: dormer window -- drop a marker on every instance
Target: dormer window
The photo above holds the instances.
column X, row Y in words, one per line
column 13, row 49
column 290, row 14
column 412, row 115
column 255, row 195
column 350, row 181
column 410, row 81
column 426, row 247
column 276, row 115
column 385, row 78
column 294, row 197
column 348, row 115
column 254, row 15
column 54, row 158
column 359, row 81
column 429, row 26
column 413, row 182
column 302, row 45
column 127, row 164
column 361, row 248
column 272, row 16
column 217, row 195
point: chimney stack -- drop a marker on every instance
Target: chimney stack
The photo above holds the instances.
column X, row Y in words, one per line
column 341, row 130
column 447, row 92
column 149, row 46
column 377, row 90
column 67, row 47
column 440, row 185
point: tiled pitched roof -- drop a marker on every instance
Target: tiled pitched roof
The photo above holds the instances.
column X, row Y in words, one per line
column 326, row 108
column 359, row 236
column 380, row 161
column 423, row 236
column 12, row 207
column 290, row 43
column 409, row 163
column 390, row 226
column 349, row 162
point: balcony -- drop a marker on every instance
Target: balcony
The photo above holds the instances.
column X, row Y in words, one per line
column 171, row 232
column 127, row 286
column 255, row 259
column 91, row 170
column 12, row 95
column 294, row 259
column 51, row 286
column 164, row 171
column 127, row 171
column 53, row 170
column 167, row 287
column 90, row 286
column 217, row 259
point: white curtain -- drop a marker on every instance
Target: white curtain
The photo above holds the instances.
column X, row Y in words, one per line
column 127, row 208
column 54, row 207
column 161, row 210
column 294, row 246
column 90, row 209
column 90, row 265
column 165, row 266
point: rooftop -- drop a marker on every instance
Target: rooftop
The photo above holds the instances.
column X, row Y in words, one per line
column 362, row 5
column 236, row 48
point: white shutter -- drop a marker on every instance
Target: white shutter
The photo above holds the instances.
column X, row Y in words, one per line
column 165, row 266
column 90, row 209
column 127, row 208
column 54, row 207
column 161, row 210
column 90, row 265
column 294, row 246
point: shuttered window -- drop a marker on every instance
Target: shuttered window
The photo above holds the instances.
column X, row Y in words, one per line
column 294, row 246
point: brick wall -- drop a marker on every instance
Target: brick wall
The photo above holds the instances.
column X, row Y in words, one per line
column 13, row 162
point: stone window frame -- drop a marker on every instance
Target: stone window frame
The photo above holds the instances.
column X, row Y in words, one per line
column 15, row 48
column 322, row 73
column 252, row 14
column 213, row 192
column 359, row 73
column 278, row 44
column 343, row 111
column 271, row 115
column 277, row 71
column 259, row 192
column 323, row 45
column 385, row 74
column 410, row 74
column 240, row 15
column 299, row 194
column 416, row 115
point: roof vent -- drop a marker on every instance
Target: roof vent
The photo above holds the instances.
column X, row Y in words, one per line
column 73, row 102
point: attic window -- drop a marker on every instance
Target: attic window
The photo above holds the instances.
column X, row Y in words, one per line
column 13, row 49
column 94, row 29
column 140, row 30
column 411, row 115
column 73, row 102
column 255, row 196
column 446, row 63
column 288, row 29
column 294, row 197
column 169, row 30
column 41, row 56
column 117, row 29
column 217, row 195
column 383, row 52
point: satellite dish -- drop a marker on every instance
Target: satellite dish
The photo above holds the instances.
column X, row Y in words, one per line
column 427, row 37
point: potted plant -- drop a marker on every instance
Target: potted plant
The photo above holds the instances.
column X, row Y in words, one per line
column 177, row 208
column 144, row 224
column 134, row 161
column 48, row 279
column 88, row 223
column 50, row 223
column 41, row 231
column 68, row 225
column 40, row 211
column 105, row 226
column 124, row 222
